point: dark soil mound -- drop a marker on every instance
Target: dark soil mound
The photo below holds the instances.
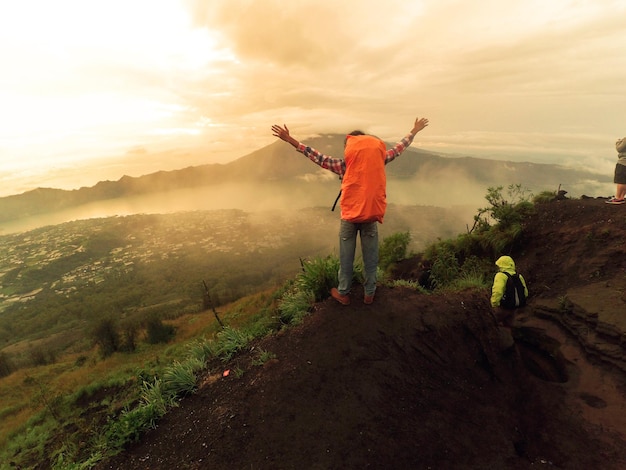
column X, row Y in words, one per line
column 418, row 381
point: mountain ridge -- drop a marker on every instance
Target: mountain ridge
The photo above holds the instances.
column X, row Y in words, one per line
column 278, row 162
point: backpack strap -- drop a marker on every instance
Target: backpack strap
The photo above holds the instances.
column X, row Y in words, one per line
column 336, row 200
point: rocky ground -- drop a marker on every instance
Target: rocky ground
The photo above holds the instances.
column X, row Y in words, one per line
column 420, row 381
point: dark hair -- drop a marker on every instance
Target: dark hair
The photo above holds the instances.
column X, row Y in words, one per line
column 356, row 132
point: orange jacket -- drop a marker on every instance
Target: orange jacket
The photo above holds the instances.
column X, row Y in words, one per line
column 364, row 184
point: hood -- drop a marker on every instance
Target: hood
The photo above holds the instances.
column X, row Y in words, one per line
column 505, row 263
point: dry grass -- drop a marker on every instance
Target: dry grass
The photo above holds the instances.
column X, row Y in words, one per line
column 19, row 391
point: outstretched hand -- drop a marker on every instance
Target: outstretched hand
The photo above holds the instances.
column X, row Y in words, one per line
column 419, row 125
column 283, row 134
column 280, row 132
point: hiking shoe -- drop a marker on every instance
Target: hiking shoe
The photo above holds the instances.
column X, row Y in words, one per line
column 368, row 299
column 341, row 298
column 615, row 201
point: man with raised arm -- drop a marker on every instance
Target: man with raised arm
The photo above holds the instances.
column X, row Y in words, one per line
column 363, row 199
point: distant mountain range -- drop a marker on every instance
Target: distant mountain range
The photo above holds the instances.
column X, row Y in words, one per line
column 279, row 163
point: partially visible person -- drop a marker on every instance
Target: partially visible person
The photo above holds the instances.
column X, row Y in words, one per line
column 619, row 177
column 508, row 292
column 363, row 199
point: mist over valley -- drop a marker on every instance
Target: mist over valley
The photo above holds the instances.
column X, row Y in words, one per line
column 60, row 278
column 276, row 177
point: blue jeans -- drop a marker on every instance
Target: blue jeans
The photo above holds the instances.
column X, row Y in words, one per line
column 369, row 250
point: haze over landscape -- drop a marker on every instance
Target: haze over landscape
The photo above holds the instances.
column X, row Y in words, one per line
column 96, row 90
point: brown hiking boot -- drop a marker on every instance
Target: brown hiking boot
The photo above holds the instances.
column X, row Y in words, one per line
column 368, row 299
column 342, row 299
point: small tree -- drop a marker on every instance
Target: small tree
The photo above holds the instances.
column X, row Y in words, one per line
column 105, row 335
column 6, row 367
column 128, row 337
column 40, row 357
column 503, row 211
column 157, row 331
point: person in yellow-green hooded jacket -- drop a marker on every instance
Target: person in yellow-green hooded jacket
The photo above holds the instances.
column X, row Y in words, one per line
column 504, row 303
column 363, row 199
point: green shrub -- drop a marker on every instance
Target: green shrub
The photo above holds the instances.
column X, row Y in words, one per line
column 202, row 350
column 133, row 422
column 294, row 305
column 465, row 281
column 30, row 443
column 318, row 276
column 445, row 267
column 467, row 260
column 502, row 210
column 408, row 284
column 180, row 378
column 544, row 196
column 404, row 283
column 262, row 357
column 157, row 331
column 393, row 249
column 230, row 341
column 476, row 267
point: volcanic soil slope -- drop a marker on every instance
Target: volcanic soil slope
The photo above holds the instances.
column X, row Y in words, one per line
column 418, row 381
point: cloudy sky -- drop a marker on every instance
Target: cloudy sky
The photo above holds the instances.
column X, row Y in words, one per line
column 95, row 89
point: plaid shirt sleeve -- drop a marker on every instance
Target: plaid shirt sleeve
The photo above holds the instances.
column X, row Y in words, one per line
column 400, row 147
column 336, row 165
